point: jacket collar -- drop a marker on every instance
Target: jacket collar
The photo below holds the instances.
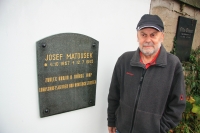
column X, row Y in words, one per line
column 160, row 61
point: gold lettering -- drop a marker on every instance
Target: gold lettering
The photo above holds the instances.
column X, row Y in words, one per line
column 68, row 56
column 84, row 84
column 50, row 79
column 91, row 55
column 55, row 87
column 51, row 64
column 85, row 55
column 56, row 64
column 89, row 61
column 78, row 76
column 78, row 61
column 79, row 84
column 54, row 57
column 43, row 89
column 71, row 85
column 62, row 63
column 50, row 88
column 72, row 56
column 78, row 55
column 91, row 82
column 66, row 86
column 67, row 62
column 61, row 55
column 46, row 59
column 61, row 78
column 50, row 57
column 88, row 75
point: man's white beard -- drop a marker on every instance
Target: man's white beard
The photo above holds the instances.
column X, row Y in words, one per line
column 152, row 51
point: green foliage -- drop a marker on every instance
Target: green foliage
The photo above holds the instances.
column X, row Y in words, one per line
column 191, row 117
column 174, row 47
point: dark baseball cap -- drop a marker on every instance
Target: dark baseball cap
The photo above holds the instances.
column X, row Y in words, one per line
column 153, row 21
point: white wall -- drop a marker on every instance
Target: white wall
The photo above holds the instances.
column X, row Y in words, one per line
column 23, row 22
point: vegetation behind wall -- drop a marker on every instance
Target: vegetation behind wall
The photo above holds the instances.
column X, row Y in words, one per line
column 191, row 117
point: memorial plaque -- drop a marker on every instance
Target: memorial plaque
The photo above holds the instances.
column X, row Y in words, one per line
column 184, row 37
column 67, row 73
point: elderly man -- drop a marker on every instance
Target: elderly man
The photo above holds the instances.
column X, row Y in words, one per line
column 147, row 91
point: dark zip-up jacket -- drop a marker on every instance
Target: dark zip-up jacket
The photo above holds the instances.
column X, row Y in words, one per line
column 144, row 100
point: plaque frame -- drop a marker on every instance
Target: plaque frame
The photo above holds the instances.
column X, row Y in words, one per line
column 67, row 73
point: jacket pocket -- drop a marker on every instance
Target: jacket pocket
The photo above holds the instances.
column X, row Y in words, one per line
column 146, row 122
column 124, row 117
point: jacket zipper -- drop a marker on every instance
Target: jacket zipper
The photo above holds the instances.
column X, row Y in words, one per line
column 137, row 99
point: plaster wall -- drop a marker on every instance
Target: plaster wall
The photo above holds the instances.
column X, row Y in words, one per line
column 24, row 22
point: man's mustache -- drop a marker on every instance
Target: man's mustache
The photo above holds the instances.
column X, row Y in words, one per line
column 148, row 44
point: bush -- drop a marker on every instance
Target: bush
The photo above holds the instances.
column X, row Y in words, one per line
column 191, row 117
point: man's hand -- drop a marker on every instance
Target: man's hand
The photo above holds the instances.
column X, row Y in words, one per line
column 112, row 129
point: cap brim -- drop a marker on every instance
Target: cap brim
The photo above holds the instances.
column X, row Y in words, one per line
column 150, row 26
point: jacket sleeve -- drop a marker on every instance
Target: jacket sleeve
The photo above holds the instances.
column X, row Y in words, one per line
column 113, row 96
column 175, row 104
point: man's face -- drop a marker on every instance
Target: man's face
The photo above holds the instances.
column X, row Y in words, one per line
column 149, row 40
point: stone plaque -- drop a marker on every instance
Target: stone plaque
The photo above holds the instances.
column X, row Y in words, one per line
column 67, row 73
column 184, row 37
